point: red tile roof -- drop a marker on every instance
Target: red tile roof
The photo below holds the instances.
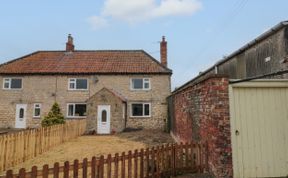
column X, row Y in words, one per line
column 85, row 62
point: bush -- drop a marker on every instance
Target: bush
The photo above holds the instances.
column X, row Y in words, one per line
column 54, row 116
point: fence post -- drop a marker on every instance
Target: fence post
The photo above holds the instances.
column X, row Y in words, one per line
column 135, row 164
column 109, row 166
column 101, row 167
column 45, row 171
column 141, row 163
column 9, row 174
column 116, row 164
column 56, row 170
column 158, row 162
column 66, row 169
column 173, row 160
column 34, row 172
column 93, row 167
column 129, row 164
column 147, row 162
column 152, row 169
column 180, row 152
column 22, row 173
column 75, row 168
column 123, row 165
column 84, row 169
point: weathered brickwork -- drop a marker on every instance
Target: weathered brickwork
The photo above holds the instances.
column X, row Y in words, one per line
column 46, row 90
column 201, row 114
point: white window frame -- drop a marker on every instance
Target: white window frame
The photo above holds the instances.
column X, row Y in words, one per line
column 9, row 83
column 75, row 84
column 67, row 113
column 35, row 107
column 143, row 105
column 148, row 80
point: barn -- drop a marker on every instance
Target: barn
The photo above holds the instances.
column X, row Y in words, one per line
column 239, row 108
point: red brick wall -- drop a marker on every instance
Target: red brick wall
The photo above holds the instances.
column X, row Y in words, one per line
column 201, row 114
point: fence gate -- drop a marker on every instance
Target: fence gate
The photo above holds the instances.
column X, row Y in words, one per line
column 259, row 128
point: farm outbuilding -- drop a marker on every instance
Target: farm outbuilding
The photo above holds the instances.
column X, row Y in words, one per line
column 244, row 124
column 239, row 107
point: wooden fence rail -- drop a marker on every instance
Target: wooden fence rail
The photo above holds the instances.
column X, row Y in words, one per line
column 20, row 146
column 162, row 161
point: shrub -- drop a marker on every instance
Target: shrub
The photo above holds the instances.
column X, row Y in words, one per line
column 54, row 116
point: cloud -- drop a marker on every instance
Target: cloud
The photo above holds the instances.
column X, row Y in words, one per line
column 176, row 8
column 97, row 22
column 133, row 11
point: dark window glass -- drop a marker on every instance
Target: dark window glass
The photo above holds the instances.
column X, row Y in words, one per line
column 137, row 83
column 16, row 83
column 147, row 110
column 80, row 109
column 81, row 84
column 146, row 85
column 137, row 109
column 21, row 113
column 104, row 116
column 37, row 111
column 6, row 83
column 70, row 110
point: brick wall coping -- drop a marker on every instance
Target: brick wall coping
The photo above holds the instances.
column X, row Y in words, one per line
column 196, row 81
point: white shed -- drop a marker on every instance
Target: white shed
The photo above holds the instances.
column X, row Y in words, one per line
column 259, row 128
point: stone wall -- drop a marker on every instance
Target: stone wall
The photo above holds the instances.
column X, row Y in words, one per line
column 49, row 89
column 201, row 114
column 117, row 118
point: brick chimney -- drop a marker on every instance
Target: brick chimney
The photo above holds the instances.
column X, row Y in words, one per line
column 163, row 51
column 69, row 44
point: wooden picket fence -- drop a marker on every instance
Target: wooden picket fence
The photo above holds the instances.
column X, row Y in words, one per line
column 162, row 161
column 20, row 146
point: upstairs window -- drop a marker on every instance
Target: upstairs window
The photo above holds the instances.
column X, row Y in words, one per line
column 12, row 83
column 140, row 84
column 140, row 109
column 37, row 110
column 76, row 110
column 78, row 84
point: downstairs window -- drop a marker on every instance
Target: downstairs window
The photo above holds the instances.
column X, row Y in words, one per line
column 76, row 110
column 141, row 109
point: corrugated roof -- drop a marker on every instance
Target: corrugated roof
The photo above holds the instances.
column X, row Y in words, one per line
column 265, row 35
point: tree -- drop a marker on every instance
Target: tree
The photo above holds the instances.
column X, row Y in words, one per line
column 54, row 116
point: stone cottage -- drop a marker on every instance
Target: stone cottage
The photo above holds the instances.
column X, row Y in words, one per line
column 112, row 89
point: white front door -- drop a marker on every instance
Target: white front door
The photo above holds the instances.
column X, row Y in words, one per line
column 20, row 121
column 103, row 119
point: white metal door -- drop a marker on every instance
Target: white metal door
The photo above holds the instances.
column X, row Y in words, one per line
column 259, row 128
column 20, row 119
column 103, row 119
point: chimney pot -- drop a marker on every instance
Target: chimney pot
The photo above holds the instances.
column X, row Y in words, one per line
column 163, row 51
column 69, row 44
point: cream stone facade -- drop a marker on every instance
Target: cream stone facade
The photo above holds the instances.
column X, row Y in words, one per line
column 111, row 89
column 47, row 89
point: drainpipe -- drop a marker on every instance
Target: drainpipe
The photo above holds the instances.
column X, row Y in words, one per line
column 126, row 115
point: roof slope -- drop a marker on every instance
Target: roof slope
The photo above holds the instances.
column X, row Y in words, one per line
column 85, row 62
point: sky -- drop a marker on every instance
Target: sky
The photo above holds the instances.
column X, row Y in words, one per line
column 199, row 32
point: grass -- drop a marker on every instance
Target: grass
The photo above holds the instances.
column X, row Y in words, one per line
column 88, row 146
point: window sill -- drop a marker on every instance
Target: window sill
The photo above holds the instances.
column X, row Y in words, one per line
column 140, row 117
column 83, row 90
column 8, row 89
column 140, row 89
column 36, row 117
column 76, row 117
